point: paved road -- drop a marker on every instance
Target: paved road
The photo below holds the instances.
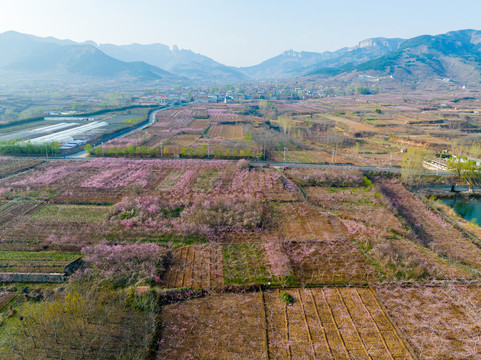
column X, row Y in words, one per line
column 393, row 170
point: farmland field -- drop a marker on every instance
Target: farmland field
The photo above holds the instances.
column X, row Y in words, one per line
column 322, row 323
column 439, row 322
column 12, row 166
column 308, row 223
column 328, row 262
column 308, row 157
column 245, row 263
column 206, row 253
column 195, row 267
column 5, row 298
column 432, row 229
column 225, row 131
column 36, row 262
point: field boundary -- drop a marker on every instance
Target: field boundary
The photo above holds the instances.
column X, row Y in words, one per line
column 54, row 278
column 398, row 331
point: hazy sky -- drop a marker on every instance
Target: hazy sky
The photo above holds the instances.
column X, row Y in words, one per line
column 240, row 32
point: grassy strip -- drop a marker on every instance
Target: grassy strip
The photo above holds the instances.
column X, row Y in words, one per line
column 38, row 255
column 71, row 213
column 7, row 305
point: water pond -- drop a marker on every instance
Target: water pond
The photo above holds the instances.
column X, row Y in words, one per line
column 467, row 208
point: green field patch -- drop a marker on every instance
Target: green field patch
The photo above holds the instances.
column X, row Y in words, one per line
column 245, row 264
column 170, row 181
column 71, row 213
column 207, row 180
column 35, row 262
column 39, row 255
column 348, row 197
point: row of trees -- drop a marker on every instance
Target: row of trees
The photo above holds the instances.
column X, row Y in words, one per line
column 18, row 148
column 203, row 151
column 130, row 150
column 467, row 170
column 195, row 152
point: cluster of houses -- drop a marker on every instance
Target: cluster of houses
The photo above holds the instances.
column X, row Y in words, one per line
column 233, row 94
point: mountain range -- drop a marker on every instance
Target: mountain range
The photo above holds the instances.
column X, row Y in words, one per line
column 26, row 54
column 455, row 56
column 292, row 63
column 184, row 63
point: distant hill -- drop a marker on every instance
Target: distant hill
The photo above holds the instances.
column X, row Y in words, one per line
column 184, row 63
column 27, row 54
column 292, row 63
column 454, row 56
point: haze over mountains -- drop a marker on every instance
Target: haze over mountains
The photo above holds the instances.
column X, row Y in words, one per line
column 26, row 54
column 292, row 63
column 455, row 55
column 183, row 63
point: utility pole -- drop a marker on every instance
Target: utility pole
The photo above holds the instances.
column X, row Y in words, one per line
column 284, row 156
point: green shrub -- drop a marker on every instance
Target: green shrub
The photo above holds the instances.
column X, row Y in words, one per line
column 367, row 182
column 286, row 298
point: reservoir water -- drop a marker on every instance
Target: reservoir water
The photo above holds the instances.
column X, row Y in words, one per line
column 467, row 208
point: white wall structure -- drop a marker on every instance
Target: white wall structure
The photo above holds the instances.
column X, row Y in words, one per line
column 52, row 128
column 67, row 135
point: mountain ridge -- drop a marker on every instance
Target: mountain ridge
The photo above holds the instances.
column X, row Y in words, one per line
column 292, row 63
column 26, row 54
column 455, row 55
column 181, row 62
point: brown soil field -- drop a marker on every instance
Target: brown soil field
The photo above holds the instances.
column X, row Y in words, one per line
column 225, row 132
column 5, row 298
column 184, row 140
column 431, row 229
column 328, row 261
column 195, row 267
column 353, row 125
column 438, row 322
column 34, row 236
column 300, row 221
column 306, row 157
column 329, row 323
column 225, row 326
column 199, row 124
